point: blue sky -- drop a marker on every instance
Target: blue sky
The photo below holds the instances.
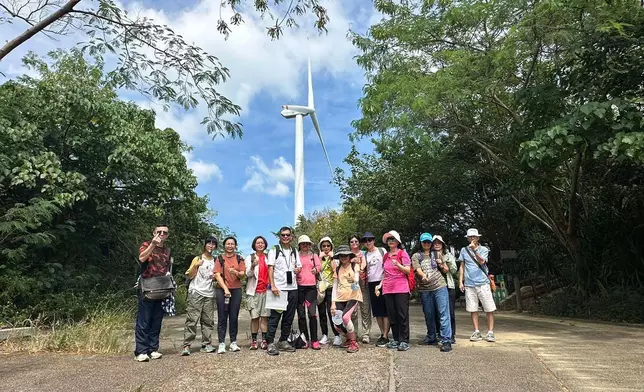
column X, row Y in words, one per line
column 265, row 74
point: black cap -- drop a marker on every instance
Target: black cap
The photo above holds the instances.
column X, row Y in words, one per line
column 367, row 235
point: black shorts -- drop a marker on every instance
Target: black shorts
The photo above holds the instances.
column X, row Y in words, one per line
column 378, row 308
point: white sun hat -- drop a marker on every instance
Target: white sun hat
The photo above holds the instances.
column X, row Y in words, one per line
column 392, row 233
column 472, row 233
column 304, row 239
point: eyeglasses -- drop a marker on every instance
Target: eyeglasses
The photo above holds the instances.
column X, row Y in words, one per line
column 369, row 239
column 391, row 239
column 162, row 232
column 285, row 235
column 354, row 242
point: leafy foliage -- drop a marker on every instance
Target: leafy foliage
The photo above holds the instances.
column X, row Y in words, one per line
column 505, row 113
column 84, row 178
column 152, row 58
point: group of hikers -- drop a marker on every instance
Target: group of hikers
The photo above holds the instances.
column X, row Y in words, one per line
column 331, row 284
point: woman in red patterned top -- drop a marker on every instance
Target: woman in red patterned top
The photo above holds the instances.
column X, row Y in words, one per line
column 155, row 260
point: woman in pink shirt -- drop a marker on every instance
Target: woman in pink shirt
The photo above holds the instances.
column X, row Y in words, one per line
column 307, row 292
column 395, row 288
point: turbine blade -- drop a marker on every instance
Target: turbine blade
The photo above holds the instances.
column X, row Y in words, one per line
column 311, row 105
column 314, row 118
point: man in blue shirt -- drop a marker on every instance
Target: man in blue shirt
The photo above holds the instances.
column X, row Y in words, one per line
column 476, row 284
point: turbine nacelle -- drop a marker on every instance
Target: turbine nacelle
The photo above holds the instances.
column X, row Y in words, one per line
column 290, row 111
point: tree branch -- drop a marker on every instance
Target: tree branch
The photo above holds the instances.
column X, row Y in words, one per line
column 38, row 27
column 574, row 183
column 500, row 103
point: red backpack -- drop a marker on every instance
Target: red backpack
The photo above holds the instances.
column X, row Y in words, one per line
column 411, row 277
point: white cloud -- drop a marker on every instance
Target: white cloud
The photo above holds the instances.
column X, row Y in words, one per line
column 270, row 180
column 204, row 171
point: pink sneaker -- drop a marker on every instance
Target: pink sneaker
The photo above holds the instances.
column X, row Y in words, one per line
column 253, row 345
column 264, row 345
column 316, row 345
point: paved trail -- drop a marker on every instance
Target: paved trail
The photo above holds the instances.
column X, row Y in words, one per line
column 531, row 354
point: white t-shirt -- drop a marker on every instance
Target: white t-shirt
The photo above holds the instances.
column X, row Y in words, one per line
column 374, row 265
column 202, row 282
column 285, row 260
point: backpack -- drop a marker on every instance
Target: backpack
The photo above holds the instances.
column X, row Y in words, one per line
column 411, row 277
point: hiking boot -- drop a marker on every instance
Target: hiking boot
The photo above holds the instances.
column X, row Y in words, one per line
column 353, row 347
column 155, row 355
column 208, row 349
column 253, row 345
column 234, row 347
column 337, row 341
column 428, row 342
column 490, row 337
column 446, row 347
column 222, row 348
column 476, row 336
column 453, row 340
column 324, row 340
column 142, row 358
column 345, row 344
column 403, row 346
column 316, row 345
column 366, row 339
column 272, row 349
column 392, row 344
column 285, row 346
column 382, row 341
column 186, row 351
column 264, row 345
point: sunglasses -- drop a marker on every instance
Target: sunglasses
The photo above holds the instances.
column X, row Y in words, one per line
column 426, row 242
column 392, row 239
column 369, row 239
column 161, row 232
column 354, row 242
column 285, row 235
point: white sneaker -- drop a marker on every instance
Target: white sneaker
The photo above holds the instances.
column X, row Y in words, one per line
column 142, row 358
column 155, row 355
column 324, row 340
column 222, row 348
column 337, row 341
column 234, row 347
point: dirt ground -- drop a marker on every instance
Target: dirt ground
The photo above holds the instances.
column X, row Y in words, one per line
column 531, row 354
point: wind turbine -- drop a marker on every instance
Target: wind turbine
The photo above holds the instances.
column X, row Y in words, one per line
column 299, row 112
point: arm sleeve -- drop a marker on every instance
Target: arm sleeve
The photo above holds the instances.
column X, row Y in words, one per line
column 270, row 260
column 217, row 269
column 405, row 258
column 316, row 260
column 298, row 263
column 192, row 265
column 242, row 266
column 250, row 272
column 451, row 263
column 414, row 262
column 484, row 252
column 335, row 287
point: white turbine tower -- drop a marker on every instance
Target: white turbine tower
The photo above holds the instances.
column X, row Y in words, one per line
column 290, row 111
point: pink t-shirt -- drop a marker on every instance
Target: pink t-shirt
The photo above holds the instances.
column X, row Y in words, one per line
column 395, row 280
column 305, row 277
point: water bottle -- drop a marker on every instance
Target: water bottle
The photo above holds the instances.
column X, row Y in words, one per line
column 226, row 302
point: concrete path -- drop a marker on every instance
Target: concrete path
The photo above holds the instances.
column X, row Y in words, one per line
column 531, row 354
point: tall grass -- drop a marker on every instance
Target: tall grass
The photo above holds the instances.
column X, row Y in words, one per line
column 105, row 330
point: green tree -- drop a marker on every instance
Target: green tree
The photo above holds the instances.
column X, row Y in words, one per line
column 176, row 71
column 542, row 97
column 84, row 178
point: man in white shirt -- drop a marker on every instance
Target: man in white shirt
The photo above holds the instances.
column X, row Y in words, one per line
column 283, row 264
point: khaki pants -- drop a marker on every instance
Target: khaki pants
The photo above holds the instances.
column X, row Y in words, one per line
column 365, row 308
column 199, row 309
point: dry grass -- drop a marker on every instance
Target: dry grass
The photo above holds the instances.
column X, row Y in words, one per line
column 107, row 330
